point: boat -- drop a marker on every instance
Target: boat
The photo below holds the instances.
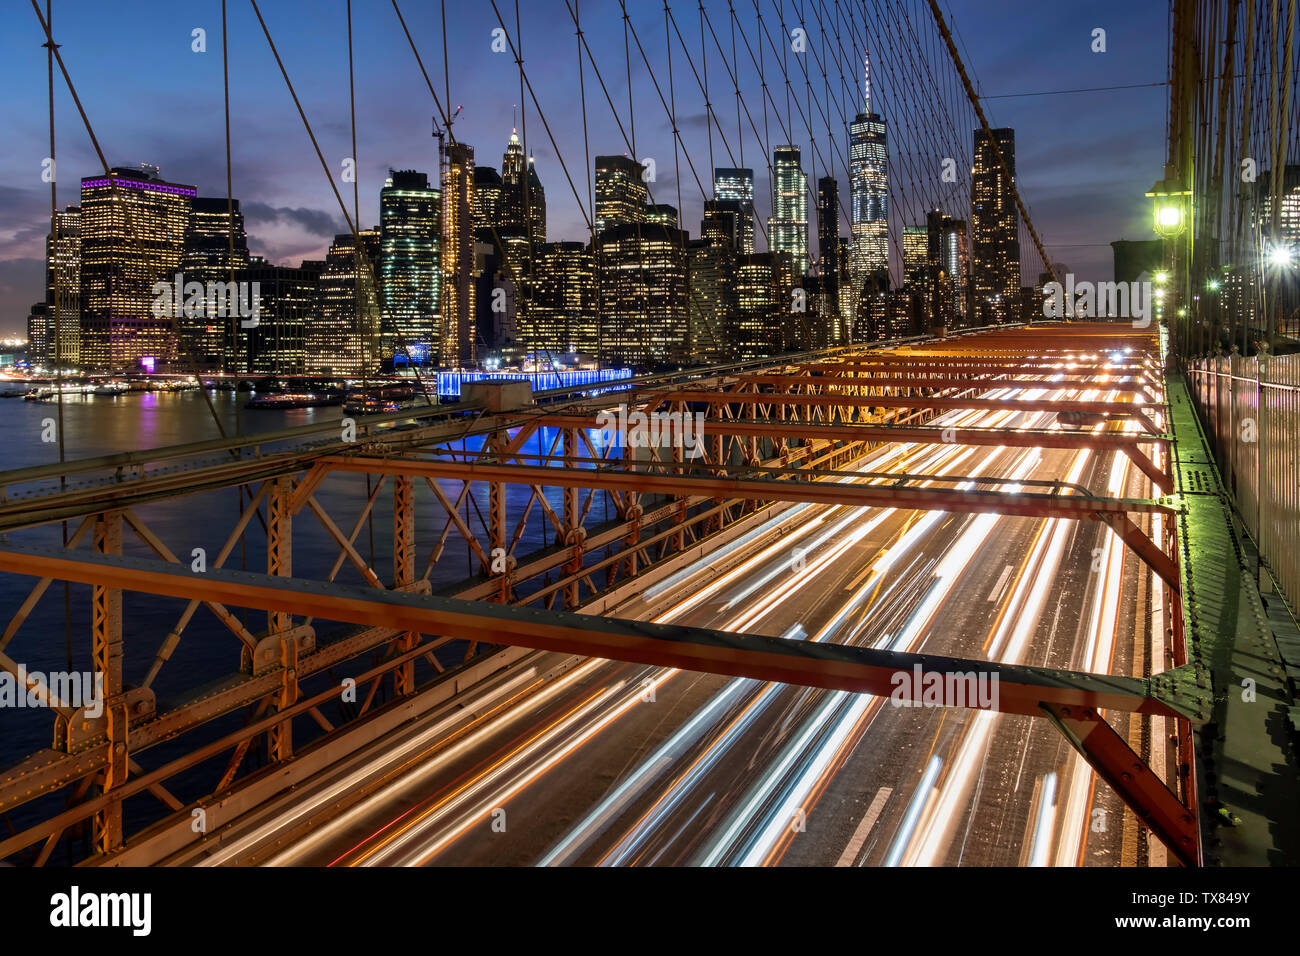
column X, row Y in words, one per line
column 295, row 400
column 110, row 388
column 389, row 398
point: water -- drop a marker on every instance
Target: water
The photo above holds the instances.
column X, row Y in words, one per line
column 98, row 425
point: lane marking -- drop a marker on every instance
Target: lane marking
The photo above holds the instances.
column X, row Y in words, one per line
column 998, row 588
column 864, row 828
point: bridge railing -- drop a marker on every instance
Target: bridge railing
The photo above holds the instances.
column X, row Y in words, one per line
column 1250, row 407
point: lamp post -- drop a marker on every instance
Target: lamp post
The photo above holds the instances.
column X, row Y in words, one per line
column 1171, row 208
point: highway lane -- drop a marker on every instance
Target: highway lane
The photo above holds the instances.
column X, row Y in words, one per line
column 623, row 764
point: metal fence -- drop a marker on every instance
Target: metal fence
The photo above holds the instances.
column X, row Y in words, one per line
column 1251, row 412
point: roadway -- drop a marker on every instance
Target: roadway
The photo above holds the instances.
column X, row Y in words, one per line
column 567, row 761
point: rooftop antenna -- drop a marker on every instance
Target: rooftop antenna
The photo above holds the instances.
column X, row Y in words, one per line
column 866, row 88
column 442, row 135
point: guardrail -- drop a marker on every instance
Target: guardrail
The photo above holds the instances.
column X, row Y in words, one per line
column 1250, row 408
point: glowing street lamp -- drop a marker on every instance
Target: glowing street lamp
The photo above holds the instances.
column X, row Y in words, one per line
column 1281, row 256
column 1171, row 206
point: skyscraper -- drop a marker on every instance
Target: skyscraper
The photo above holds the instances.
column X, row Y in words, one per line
column 213, row 248
column 916, row 251
column 621, row 193
column 513, row 183
column 737, row 186
column 132, row 236
column 947, row 271
column 289, row 299
column 63, row 289
column 720, row 224
column 661, row 214
column 869, row 188
column 536, row 204
column 38, row 334
column 712, row 302
column 787, row 230
column 458, row 335
column 995, row 229
column 828, row 252
column 562, row 316
column 343, row 340
column 410, row 265
column 954, row 265
column 488, row 197
column 644, row 293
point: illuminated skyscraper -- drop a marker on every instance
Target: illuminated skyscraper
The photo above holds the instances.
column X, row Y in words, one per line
column 289, row 298
column 662, row 215
column 947, row 272
column 562, row 315
column 869, row 188
column 916, row 251
column 787, row 230
column 132, row 236
column 513, row 179
column 954, row 265
column 410, row 266
column 38, row 334
column 488, row 198
column 720, row 223
column 712, row 302
column 828, row 261
column 536, row 205
column 737, row 186
column 458, row 273
column 995, row 230
column 621, row 193
column 214, row 340
column 63, row 262
column 644, row 315
column 344, row 338
column 761, row 304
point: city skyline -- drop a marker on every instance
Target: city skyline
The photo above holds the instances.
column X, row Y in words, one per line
column 289, row 216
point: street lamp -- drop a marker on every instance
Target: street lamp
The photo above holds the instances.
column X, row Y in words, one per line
column 1171, row 205
column 1281, row 255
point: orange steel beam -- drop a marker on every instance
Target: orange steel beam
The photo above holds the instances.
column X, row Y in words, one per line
column 1126, row 409
column 1128, row 775
column 933, row 434
column 893, row 495
column 937, row 364
column 906, row 401
column 895, row 381
column 1029, row 504
column 1021, row 690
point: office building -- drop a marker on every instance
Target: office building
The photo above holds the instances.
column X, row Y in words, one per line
column 133, row 226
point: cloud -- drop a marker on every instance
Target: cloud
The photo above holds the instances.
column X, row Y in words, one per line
column 315, row 222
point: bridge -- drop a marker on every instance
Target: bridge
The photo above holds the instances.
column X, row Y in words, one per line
column 1010, row 594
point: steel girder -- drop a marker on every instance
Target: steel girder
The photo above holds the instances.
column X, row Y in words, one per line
column 998, row 437
column 1070, row 699
column 895, row 495
column 1022, row 690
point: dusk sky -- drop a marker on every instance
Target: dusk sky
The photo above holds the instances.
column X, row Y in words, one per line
column 1083, row 160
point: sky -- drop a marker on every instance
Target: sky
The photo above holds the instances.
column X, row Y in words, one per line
column 1083, row 160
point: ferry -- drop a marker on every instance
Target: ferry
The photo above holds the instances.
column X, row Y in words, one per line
column 294, row 400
